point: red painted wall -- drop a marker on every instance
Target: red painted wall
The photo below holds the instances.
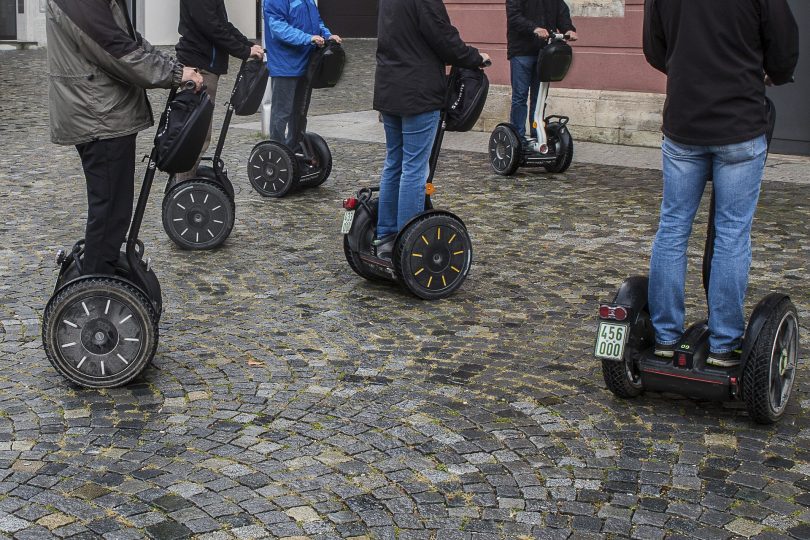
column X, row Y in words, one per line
column 608, row 55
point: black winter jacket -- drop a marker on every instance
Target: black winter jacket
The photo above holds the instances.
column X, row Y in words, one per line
column 415, row 42
column 523, row 16
column 207, row 38
column 715, row 54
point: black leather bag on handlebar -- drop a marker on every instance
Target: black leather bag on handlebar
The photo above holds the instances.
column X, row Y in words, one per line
column 554, row 61
column 326, row 65
column 468, row 89
column 182, row 130
column 251, row 82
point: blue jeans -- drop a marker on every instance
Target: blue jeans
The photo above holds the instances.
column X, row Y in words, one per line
column 736, row 170
column 524, row 80
column 408, row 141
column 285, row 98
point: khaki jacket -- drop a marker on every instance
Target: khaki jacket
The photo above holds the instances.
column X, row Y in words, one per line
column 99, row 68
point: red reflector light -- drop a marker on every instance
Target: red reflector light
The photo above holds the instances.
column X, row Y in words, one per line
column 616, row 313
column 681, row 360
column 620, row 313
column 350, row 203
column 604, row 312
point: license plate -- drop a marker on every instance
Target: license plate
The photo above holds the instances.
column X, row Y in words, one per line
column 610, row 341
column 348, row 218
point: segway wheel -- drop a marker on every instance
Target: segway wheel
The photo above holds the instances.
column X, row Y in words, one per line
column 560, row 137
column 198, row 214
column 323, row 158
column 272, row 169
column 770, row 371
column 433, row 255
column 505, row 150
column 100, row 332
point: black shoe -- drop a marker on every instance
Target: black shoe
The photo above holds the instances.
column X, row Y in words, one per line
column 384, row 247
column 726, row 359
column 664, row 351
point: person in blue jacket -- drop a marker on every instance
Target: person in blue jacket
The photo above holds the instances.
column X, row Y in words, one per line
column 293, row 28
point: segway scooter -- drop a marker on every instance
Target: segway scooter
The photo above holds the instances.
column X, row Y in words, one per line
column 553, row 149
column 199, row 213
column 274, row 169
column 763, row 380
column 432, row 253
column 101, row 331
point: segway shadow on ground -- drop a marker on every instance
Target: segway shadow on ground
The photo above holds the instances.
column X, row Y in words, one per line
column 763, row 380
column 553, row 149
column 275, row 170
column 199, row 213
column 101, row 331
column 432, row 253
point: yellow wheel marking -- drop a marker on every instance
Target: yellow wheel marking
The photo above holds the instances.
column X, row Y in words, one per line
column 451, row 239
column 458, row 252
column 417, row 254
column 425, row 240
column 430, row 281
column 419, row 271
column 444, row 281
column 438, row 233
column 455, row 269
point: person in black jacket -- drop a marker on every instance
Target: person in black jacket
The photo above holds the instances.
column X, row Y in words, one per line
column 206, row 41
column 528, row 24
column 714, row 127
column 416, row 41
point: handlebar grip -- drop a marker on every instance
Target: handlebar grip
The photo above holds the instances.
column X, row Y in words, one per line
column 188, row 85
column 487, row 62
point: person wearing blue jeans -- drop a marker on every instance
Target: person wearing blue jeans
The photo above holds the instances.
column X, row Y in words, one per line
column 416, row 41
column 715, row 120
column 528, row 23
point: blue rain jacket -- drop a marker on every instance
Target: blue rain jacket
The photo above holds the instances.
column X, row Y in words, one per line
column 288, row 28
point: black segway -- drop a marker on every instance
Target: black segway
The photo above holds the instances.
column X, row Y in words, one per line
column 101, row 331
column 274, row 169
column 432, row 253
column 763, row 380
column 199, row 213
column 553, row 149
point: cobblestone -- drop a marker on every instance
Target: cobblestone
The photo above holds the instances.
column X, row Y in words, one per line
column 290, row 398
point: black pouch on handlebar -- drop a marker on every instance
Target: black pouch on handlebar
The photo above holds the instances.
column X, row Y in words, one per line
column 182, row 130
column 251, row 82
column 554, row 61
column 468, row 89
column 326, row 65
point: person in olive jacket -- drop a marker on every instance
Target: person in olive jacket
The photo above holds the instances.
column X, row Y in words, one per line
column 415, row 43
column 206, row 41
column 98, row 69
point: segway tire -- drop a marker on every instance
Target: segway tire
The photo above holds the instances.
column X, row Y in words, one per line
column 621, row 378
column 100, row 332
column 198, row 214
column 433, row 255
column 564, row 144
column 273, row 169
column 770, row 371
column 505, row 150
column 323, row 158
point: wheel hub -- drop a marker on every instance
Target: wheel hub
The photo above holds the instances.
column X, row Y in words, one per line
column 438, row 259
column 100, row 336
column 270, row 171
column 198, row 217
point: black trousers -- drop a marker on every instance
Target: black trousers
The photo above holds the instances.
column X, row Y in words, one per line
column 109, row 168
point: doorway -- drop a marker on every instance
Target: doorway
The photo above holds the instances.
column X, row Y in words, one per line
column 350, row 18
column 8, row 20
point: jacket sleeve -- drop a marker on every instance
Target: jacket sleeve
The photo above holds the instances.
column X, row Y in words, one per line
column 113, row 50
column 275, row 13
column 564, row 23
column 325, row 32
column 780, row 40
column 217, row 29
column 443, row 37
column 515, row 19
column 655, row 43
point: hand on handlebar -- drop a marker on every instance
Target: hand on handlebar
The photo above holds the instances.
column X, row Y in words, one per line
column 318, row 40
column 571, row 35
column 192, row 75
column 336, row 39
column 257, row 51
column 542, row 33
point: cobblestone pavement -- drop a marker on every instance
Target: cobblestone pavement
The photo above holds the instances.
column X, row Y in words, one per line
column 289, row 398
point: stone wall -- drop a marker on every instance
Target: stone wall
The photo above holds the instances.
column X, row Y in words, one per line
column 596, row 8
